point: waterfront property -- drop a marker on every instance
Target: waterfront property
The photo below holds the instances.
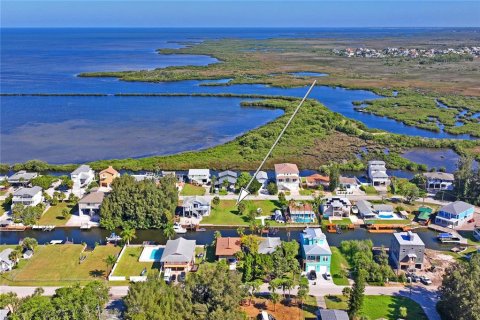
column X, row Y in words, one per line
column 454, row 214
column 197, row 206
column 229, row 176
column 439, row 181
column 151, row 254
column 27, row 196
column 21, row 178
column 178, row 255
column 287, row 176
column 348, row 185
column 145, row 176
column 301, row 212
column 199, row 176
column 107, row 176
column 226, row 248
column 315, row 251
column 262, row 177
column 90, row 204
column 365, row 209
column 333, row 314
column 317, row 180
column 424, row 214
column 269, row 244
column 6, row 264
column 336, row 207
column 377, row 173
column 407, row 251
column 81, row 178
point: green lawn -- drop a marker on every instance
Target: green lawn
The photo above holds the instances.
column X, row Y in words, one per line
column 191, row 190
column 387, row 221
column 129, row 264
column 59, row 265
column 369, row 190
column 54, row 216
column 3, row 207
column 306, row 192
column 226, row 212
column 338, row 264
column 376, row 307
column 310, row 308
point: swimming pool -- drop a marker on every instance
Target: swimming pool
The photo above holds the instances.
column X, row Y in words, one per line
column 151, row 254
column 385, row 216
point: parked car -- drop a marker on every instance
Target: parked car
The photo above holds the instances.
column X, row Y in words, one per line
column 312, row 275
column 327, row 276
column 425, row 280
column 173, row 278
column 354, row 209
column 182, row 276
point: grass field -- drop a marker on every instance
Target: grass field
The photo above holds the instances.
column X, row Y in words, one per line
column 3, row 208
column 54, row 216
column 59, row 265
column 376, row 307
column 339, row 267
column 388, row 221
column 191, row 190
column 369, row 190
column 129, row 264
column 226, row 212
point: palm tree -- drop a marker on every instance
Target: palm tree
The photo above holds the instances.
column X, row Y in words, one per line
column 275, row 297
column 14, row 256
column 128, row 234
column 168, row 231
column 110, row 261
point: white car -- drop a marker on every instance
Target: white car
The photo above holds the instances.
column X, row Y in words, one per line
column 354, row 209
column 327, row 276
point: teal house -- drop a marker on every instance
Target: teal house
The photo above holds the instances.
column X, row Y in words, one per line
column 316, row 253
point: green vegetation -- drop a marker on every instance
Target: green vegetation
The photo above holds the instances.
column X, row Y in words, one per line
column 459, row 294
column 467, row 182
column 55, row 215
column 226, row 212
column 44, row 181
column 128, row 265
column 192, row 190
column 378, row 307
column 339, row 267
column 76, row 302
column 369, row 190
column 139, row 205
column 60, row 265
column 26, row 214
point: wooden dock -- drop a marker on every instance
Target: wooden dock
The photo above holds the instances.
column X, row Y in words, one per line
column 458, row 238
column 387, row 228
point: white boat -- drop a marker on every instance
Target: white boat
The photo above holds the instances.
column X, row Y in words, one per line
column 56, row 242
column 179, row 229
column 113, row 237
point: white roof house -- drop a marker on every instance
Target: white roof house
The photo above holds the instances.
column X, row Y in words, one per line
column 437, row 181
column 195, row 205
column 22, row 177
column 336, row 207
column 377, row 173
column 28, row 196
column 179, row 254
column 230, row 176
column 81, row 177
column 262, row 177
column 287, row 176
column 199, row 176
column 269, row 245
column 5, row 263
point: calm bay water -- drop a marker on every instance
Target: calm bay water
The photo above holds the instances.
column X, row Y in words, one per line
column 78, row 129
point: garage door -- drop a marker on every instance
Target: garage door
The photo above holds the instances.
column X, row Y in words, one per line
column 310, row 268
column 323, row 269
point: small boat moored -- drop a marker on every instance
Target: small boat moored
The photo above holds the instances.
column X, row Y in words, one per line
column 179, row 229
column 113, row 237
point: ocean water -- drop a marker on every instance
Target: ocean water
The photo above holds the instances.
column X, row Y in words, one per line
column 63, row 129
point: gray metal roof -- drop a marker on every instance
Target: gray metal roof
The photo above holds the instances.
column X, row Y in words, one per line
column 376, row 163
column 261, row 175
column 382, row 207
column 27, row 176
column 333, row 314
column 316, row 249
column 439, row 176
column 227, row 173
column 5, row 253
column 30, row 192
column 199, row 172
column 93, row 197
column 313, row 233
column 364, row 207
column 456, row 207
column 268, row 245
column 379, row 174
column 408, row 238
column 81, row 169
column 179, row 250
column 187, row 201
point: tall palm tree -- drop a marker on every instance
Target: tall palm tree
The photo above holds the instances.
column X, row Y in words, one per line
column 128, row 234
column 168, row 231
column 110, row 262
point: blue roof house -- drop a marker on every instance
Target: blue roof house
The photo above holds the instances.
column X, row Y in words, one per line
column 316, row 253
column 454, row 214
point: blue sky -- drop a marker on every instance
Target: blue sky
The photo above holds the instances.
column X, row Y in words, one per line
column 246, row 13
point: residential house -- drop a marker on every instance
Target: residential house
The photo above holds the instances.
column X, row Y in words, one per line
column 333, row 314
column 336, row 207
column 315, row 251
column 107, row 176
column 178, row 255
column 454, row 214
column 407, row 251
column 383, row 210
column 287, row 176
column 21, row 178
column 377, row 173
column 27, row 254
column 227, row 247
column 229, row 176
column 90, row 204
column 269, row 244
column 439, row 181
column 301, row 212
column 28, row 196
column 81, row 177
column 199, row 176
column 5, row 263
column 317, row 180
column 424, row 214
column 262, row 177
column 195, row 206
column 365, row 209
column 145, row 176
column 347, row 185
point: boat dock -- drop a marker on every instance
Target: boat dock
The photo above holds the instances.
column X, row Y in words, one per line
column 455, row 236
column 387, row 228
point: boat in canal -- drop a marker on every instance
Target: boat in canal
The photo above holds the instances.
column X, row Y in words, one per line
column 113, row 237
column 179, row 229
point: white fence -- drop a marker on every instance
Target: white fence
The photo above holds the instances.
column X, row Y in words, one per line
column 111, row 277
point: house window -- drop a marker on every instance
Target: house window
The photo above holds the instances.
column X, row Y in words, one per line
column 325, row 259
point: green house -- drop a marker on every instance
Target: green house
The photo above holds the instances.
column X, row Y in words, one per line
column 316, row 253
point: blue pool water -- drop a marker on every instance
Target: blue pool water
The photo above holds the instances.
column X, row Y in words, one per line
column 385, row 216
column 156, row 254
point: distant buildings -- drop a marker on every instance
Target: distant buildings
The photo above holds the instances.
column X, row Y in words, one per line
column 347, row 185
column 454, row 214
column 287, row 176
column 413, row 53
column 377, row 173
column 28, row 196
column 439, row 181
column 21, row 178
column 81, row 178
column 407, row 251
column 316, row 180
column 262, row 177
column 107, row 176
column 315, row 251
column 199, row 176
column 229, row 176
